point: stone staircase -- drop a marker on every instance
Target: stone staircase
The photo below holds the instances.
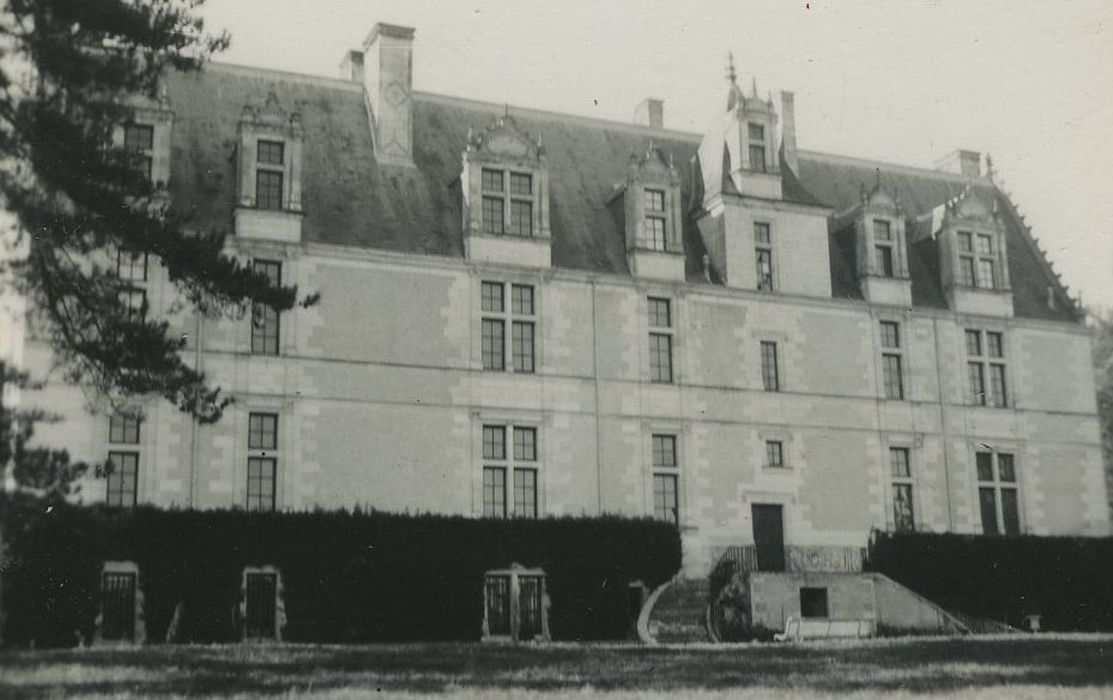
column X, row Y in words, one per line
column 676, row 613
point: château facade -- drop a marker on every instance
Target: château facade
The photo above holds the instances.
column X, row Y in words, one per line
column 525, row 314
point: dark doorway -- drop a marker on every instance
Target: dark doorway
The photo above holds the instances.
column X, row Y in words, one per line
column 529, row 607
column 498, row 604
column 813, row 602
column 118, row 606
column 769, row 536
column 262, row 598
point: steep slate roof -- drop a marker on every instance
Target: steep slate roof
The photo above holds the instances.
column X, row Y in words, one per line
column 348, row 198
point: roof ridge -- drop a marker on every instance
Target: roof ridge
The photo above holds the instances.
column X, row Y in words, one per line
column 500, row 107
column 896, row 167
column 241, row 69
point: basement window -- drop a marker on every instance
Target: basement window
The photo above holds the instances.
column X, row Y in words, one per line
column 813, row 602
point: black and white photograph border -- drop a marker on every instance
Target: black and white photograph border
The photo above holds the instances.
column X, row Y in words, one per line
column 521, row 349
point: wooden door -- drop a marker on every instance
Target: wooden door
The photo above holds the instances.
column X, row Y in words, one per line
column 769, row 536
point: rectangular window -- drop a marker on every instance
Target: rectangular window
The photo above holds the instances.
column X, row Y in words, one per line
column 664, row 451
column 813, row 602
column 655, row 201
column 271, row 152
column 885, row 260
column 122, row 473
column 264, row 319
column 493, row 215
column 521, row 183
column 890, row 334
column 997, row 493
column 977, row 260
column 986, row 278
column 770, row 374
column 123, row 429
column 139, row 139
column 131, row 266
column 520, row 463
column 134, row 303
column 660, row 340
column 883, row 245
column 117, row 609
column 260, row 605
column 882, row 231
column 655, row 232
column 966, row 272
column 268, row 189
column 262, row 462
column 986, row 372
column 492, row 180
column 757, row 147
column 521, row 317
column 521, row 219
column 774, row 453
column 763, row 255
column 665, row 503
column 901, row 470
column 894, row 379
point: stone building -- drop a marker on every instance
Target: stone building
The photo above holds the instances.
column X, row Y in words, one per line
column 526, row 314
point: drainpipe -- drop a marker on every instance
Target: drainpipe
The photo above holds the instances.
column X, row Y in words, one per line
column 194, row 436
column 943, row 426
column 595, row 371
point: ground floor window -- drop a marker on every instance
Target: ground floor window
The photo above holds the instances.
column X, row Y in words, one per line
column 998, row 493
column 813, row 602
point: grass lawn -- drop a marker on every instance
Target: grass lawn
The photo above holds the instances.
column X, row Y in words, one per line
column 1051, row 666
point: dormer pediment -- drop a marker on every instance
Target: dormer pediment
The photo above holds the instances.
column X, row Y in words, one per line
column 270, row 166
column 504, row 140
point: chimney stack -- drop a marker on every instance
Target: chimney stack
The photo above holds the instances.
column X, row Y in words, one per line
column 788, row 131
column 351, row 68
column 961, row 162
column 650, row 112
column 388, row 79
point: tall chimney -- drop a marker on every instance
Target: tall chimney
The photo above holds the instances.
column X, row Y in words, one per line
column 650, row 112
column 961, row 162
column 388, row 79
column 788, row 131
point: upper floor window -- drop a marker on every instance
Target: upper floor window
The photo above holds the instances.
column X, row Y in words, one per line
column 520, row 463
column 977, row 260
column 264, row 319
column 131, row 266
column 900, row 468
column 660, row 340
column 891, row 360
column 774, row 453
column 134, row 303
column 985, row 367
column 508, row 200
column 997, row 493
column 757, row 148
column 655, row 219
column 666, row 502
column 763, row 254
column 262, row 460
column 122, row 468
column 269, row 174
column 883, row 247
column 770, row 372
column 496, row 314
column 140, row 140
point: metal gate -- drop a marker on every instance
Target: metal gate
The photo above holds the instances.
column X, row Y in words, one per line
column 529, row 607
column 117, row 606
column 261, row 599
column 498, row 604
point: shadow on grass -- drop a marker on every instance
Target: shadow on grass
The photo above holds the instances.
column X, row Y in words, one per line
column 918, row 665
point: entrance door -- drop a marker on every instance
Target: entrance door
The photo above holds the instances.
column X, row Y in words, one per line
column 118, row 606
column 262, row 596
column 769, row 536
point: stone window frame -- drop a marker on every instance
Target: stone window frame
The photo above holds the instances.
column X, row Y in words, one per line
column 665, row 471
column 997, row 485
column 765, row 281
column 656, row 218
column 972, row 258
column 662, row 338
column 892, row 352
column 139, row 631
column 262, row 341
column 755, row 145
column 509, row 316
column 262, row 455
column 279, row 602
column 989, row 366
column 790, row 460
column 271, row 124
column 508, row 463
column 885, row 248
column 122, row 445
column 775, row 454
column 772, row 378
column 508, row 196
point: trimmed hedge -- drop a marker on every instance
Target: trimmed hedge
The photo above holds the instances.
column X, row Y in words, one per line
column 1066, row 580
column 347, row 576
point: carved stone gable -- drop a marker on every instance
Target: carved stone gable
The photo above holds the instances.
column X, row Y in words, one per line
column 504, row 139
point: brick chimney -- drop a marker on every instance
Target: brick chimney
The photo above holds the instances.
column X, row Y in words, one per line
column 388, row 79
column 788, row 130
column 961, row 162
column 650, row 112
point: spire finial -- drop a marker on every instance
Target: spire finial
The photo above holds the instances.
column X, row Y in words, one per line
column 732, row 76
column 990, row 173
column 754, row 87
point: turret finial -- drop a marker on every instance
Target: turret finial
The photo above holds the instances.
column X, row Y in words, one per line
column 732, row 76
column 754, row 87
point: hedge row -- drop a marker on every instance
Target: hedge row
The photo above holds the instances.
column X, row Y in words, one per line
column 1066, row 580
column 348, row 576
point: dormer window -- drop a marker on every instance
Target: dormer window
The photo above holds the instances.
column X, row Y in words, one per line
column 655, row 219
column 269, row 174
column 883, row 245
column 757, row 148
column 140, row 140
column 976, row 260
column 507, row 211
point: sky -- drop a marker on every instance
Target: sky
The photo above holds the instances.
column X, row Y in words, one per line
column 1029, row 81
